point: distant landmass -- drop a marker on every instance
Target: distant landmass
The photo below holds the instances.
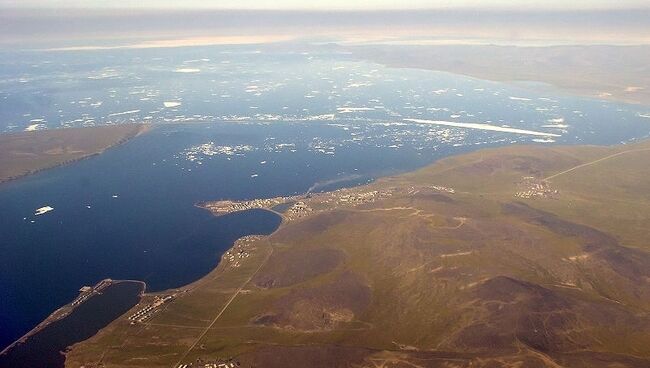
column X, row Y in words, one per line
column 618, row 73
column 28, row 152
column 515, row 256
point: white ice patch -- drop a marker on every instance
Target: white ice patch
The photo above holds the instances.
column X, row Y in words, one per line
column 557, row 123
column 199, row 152
column 43, row 210
column 357, row 85
column 347, row 110
column 104, row 76
column 519, row 98
column 482, row 127
column 33, row 127
column 187, row 70
column 124, row 113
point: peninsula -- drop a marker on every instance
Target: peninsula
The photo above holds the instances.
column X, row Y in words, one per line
column 25, row 153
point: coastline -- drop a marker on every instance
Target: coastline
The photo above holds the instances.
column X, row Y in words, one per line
column 345, row 196
column 319, row 202
column 237, row 276
column 145, row 299
column 144, row 128
column 86, row 293
column 518, row 65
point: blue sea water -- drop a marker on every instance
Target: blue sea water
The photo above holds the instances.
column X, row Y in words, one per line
column 130, row 213
column 231, row 123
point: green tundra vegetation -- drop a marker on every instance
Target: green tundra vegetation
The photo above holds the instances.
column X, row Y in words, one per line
column 511, row 257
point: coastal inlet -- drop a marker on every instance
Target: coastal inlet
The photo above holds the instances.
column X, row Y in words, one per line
column 92, row 310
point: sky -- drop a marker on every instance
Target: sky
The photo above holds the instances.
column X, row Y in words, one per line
column 62, row 23
column 332, row 4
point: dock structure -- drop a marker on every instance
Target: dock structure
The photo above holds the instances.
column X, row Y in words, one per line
column 86, row 292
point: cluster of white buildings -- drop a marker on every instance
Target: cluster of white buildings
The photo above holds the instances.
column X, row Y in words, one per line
column 224, row 207
column 298, row 209
column 145, row 313
column 530, row 187
column 208, row 365
column 364, row 197
column 443, row 189
column 219, row 365
column 240, row 251
column 234, row 256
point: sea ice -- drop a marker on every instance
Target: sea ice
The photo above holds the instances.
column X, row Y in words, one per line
column 43, row 210
column 187, row 70
column 482, row 127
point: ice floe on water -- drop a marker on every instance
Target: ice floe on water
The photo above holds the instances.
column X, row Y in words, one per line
column 482, row 127
column 556, row 126
column 280, row 147
column 357, row 85
column 557, row 123
column 43, row 210
column 187, row 70
column 33, row 127
column 124, row 113
column 232, row 87
column 346, row 110
column 199, row 152
column 105, row 75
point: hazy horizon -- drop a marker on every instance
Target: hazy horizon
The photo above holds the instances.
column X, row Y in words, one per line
column 90, row 27
column 331, row 4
